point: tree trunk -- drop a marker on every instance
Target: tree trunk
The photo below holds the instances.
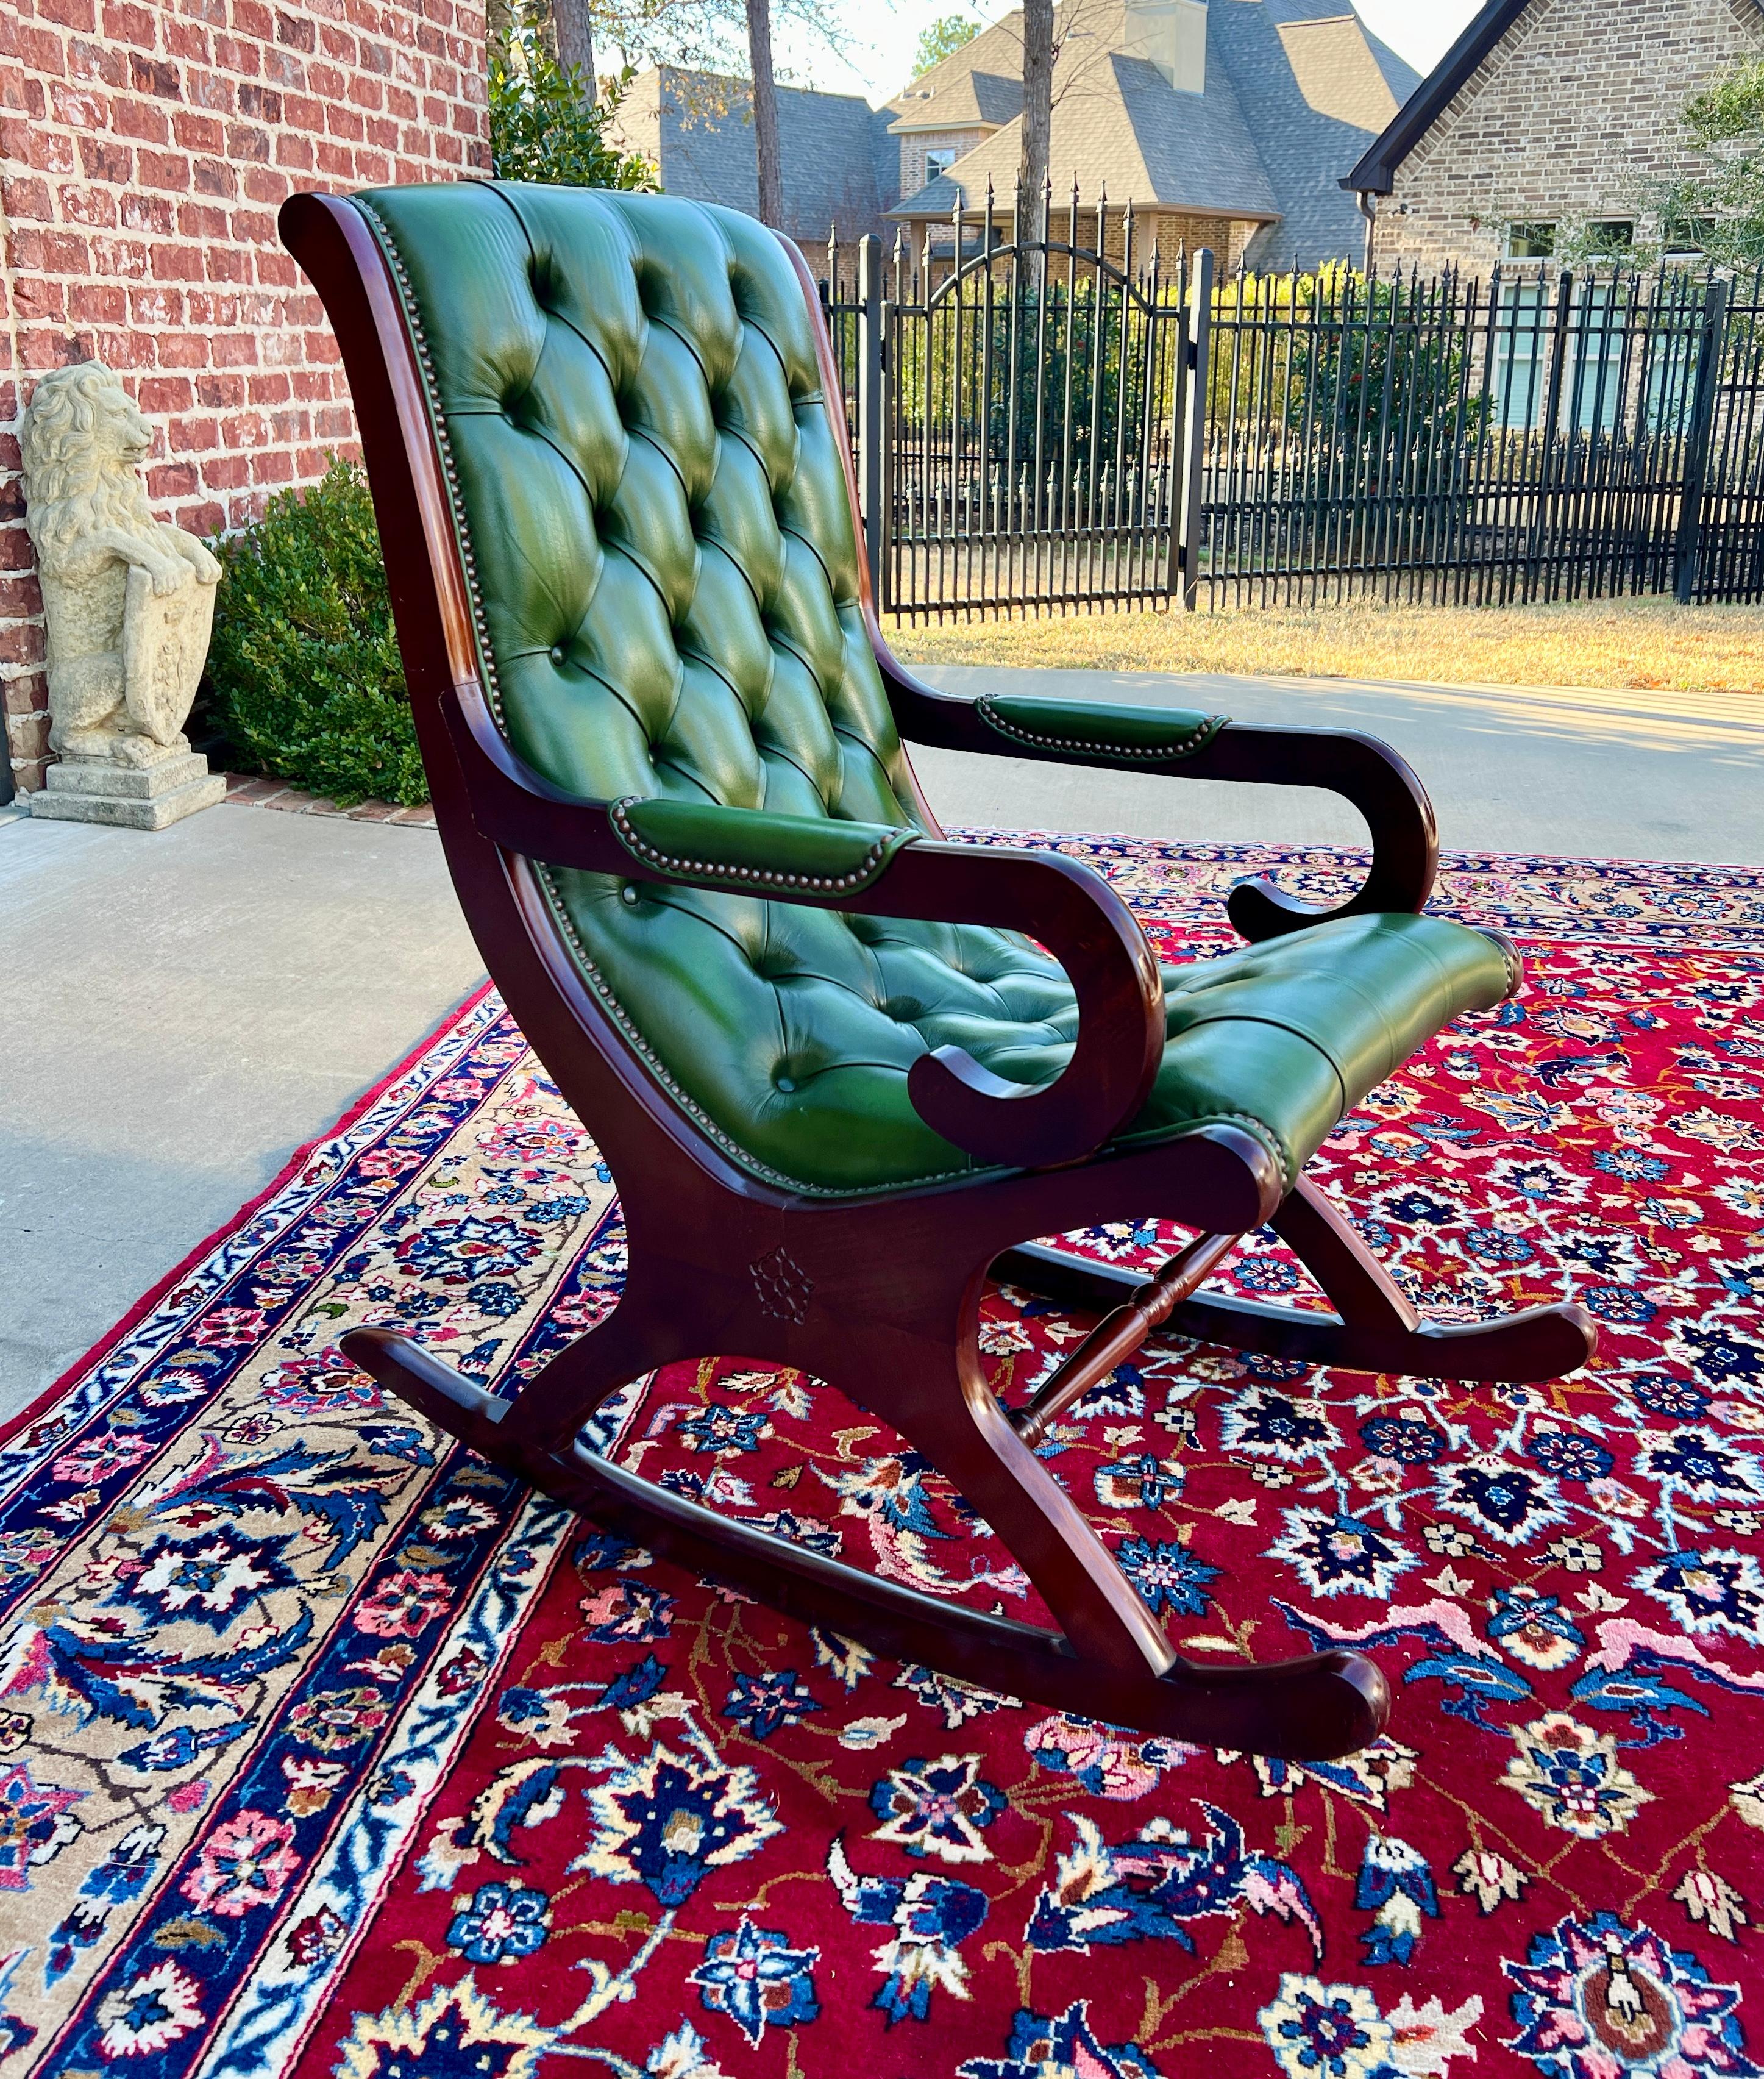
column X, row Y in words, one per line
column 1038, row 124
column 771, row 187
column 573, row 33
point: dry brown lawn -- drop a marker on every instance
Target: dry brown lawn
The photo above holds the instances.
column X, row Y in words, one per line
column 1648, row 642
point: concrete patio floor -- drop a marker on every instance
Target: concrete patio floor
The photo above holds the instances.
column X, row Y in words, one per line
column 187, row 1008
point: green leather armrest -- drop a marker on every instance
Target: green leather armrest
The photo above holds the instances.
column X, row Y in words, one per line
column 747, row 848
column 894, row 873
column 1090, row 730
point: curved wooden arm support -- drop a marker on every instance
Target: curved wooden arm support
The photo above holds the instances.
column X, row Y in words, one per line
column 1380, row 784
column 1062, row 905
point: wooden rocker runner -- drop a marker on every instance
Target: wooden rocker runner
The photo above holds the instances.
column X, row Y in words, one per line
column 838, row 1080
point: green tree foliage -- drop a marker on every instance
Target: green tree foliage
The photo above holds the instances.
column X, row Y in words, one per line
column 1720, row 211
column 1364, row 382
column 303, row 672
column 543, row 128
column 942, row 39
column 1370, row 361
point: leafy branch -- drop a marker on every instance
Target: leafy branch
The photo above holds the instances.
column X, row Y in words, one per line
column 545, row 127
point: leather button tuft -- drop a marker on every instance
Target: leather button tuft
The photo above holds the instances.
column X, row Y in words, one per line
column 630, row 895
column 786, row 1084
column 557, row 653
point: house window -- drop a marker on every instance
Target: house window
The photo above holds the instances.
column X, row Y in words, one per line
column 1520, row 347
column 1530, row 241
column 938, row 160
column 1685, row 238
column 1603, row 358
column 1609, row 238
column 1600, row 351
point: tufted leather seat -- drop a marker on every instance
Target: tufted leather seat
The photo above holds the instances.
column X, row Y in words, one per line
column 652, row 510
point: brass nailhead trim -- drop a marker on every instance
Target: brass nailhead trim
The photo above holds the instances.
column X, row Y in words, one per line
column 1260, row 1129
column 700, row 1118
column 438, row 420
column 756, row 877
column 1148, row 754
column 743, row 1159
column 591, row 972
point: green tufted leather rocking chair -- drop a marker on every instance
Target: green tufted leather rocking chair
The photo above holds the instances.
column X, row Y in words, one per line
column 838, row 1082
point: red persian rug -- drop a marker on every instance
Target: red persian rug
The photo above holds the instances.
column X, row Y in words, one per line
column 326, row 1748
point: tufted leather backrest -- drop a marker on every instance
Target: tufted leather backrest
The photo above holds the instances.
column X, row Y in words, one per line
column 652, row 510
column 652, row 495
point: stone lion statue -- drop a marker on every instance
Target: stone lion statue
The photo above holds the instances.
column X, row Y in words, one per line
column 129, row 601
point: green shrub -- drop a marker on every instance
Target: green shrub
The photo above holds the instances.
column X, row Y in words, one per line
column 303, row 672
column 542, row 129
column 303, row 675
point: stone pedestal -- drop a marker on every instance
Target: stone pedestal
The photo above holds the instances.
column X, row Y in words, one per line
column 134, row 797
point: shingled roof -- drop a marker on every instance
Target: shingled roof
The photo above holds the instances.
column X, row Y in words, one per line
column 1293, row 90
column 838, row 164
column 982, row 82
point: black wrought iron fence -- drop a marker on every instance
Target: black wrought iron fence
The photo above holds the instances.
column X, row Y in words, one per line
column 1042, row 426
column 1723, row 527
column 1527, row 438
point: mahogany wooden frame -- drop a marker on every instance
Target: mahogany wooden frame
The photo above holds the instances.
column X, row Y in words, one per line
column 881, row 1295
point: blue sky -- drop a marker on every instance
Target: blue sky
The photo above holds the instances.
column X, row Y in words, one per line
column 881, row 36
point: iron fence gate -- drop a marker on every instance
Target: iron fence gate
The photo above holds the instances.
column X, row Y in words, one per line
column 1042, row 426
column 1020, row 416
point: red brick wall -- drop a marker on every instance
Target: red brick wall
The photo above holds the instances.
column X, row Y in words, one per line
column 144, row 147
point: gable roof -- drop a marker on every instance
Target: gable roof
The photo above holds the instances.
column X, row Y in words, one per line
column 975, row 97
column 982, row 81
column 1374, row 172
column 834, row 150
column 1293, row 88
column 1120, row 125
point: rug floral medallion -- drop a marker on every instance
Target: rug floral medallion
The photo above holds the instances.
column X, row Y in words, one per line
column 325, row 1748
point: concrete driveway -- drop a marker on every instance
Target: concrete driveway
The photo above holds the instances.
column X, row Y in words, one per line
column 186, row 1008
column 1510, row 768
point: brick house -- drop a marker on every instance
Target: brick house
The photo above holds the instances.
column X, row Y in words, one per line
column 1226, row 123
column 1546, row 116
column 144, row 147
